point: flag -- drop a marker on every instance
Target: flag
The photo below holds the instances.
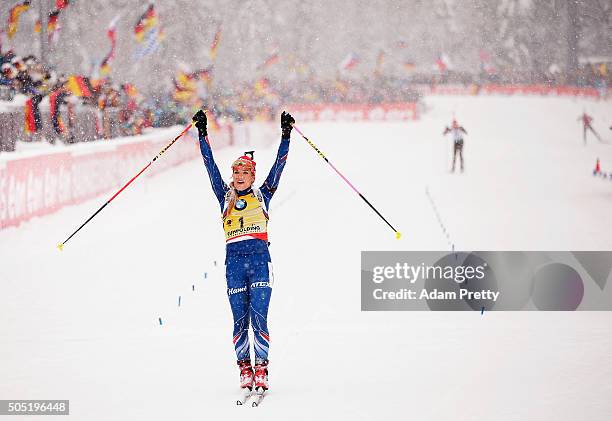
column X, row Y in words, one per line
column 105, row 66
column 30, row 123
column 32, row 114
column 185, row 88
column 185, row 81
column 350, row 61
column 52, row 23
column 55, row 100
column 78, row 86
column 149, row 33
column 272, row 58
column 111, row 33
column 61, row 4
column 13, row 19
column 214, row 46
column 145, row 23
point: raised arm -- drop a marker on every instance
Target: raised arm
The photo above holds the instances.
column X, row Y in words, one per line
column 270, row 185
column 218, row 185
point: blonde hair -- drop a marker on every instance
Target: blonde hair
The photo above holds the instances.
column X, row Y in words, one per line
column 233, row 196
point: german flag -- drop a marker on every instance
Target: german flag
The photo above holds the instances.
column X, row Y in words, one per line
column 214, row 46
column 78, row 86
column 147, row 21
column 52, row 23
column 55, row 100
column 185, row 81
column 13, row 19
column 105, row 67
column 32, row 114
column 185, row 89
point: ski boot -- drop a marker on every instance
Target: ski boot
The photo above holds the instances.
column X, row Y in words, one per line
column 246, row 374
column 261, row 375
column 246, row 381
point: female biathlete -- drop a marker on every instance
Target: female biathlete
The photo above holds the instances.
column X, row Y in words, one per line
column 248, row 266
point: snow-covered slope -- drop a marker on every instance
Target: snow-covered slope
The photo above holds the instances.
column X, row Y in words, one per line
column 83, row 324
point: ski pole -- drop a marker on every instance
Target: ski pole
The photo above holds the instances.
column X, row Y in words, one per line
column 397, row 233
column 60, row 246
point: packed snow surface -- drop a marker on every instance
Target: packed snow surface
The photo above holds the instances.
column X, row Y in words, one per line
column 84, row 325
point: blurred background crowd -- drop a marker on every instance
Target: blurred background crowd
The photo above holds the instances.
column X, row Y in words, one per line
column 137, row 64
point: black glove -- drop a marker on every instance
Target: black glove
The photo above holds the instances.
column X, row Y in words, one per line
column 200, row 122
column 286, row 124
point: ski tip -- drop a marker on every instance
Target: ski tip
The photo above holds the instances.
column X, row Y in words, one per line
column 398, row 235
column 60, row 246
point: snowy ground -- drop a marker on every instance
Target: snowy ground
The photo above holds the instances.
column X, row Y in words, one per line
column 83, row 325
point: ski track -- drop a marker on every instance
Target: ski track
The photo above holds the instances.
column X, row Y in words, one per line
column 83, row 324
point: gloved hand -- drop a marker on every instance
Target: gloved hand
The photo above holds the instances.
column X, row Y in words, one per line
column 200, row 122
column 286, row 124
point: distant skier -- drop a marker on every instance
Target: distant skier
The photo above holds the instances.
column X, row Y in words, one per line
column 586, row 125
column 248, row 267
column 457, row 133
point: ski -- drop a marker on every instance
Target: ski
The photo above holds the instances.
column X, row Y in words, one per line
column 257, row 397
column 245, row 394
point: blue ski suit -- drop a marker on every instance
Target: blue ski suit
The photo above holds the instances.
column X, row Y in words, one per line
column 248, row 267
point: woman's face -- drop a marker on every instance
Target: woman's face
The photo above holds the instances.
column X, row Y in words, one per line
column 243, row 179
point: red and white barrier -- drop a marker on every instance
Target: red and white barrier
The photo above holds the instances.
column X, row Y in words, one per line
column 354, row 112
column 36, row 185
column 492, row 89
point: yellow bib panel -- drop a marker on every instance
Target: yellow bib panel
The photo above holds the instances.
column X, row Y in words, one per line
column 248, row 217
